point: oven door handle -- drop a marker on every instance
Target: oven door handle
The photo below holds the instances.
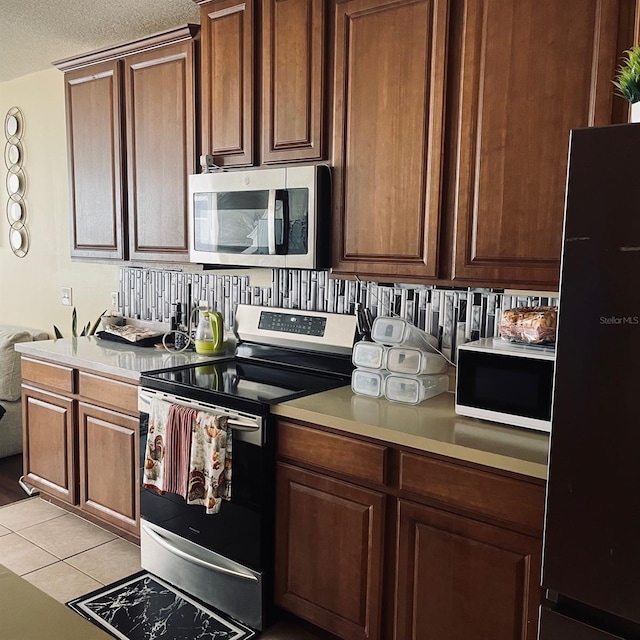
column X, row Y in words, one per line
column 236, row 426
column 202, row 563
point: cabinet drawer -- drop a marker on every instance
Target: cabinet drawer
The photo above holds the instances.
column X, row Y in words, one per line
column 44, row 374
column 109, row 393
column 335, row 453
column 492, row 495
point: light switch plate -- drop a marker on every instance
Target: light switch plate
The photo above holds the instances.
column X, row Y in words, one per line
column 65, row 296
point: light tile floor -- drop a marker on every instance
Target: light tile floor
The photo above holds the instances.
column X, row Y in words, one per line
column 66, row 557
column 60, row 553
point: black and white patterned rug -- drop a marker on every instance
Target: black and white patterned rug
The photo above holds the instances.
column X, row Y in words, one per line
column 143, row 607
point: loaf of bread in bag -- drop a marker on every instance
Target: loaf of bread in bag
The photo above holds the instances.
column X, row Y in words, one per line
column 532, row 325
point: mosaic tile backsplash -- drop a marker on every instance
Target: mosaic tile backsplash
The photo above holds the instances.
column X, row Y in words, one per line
column 452, row 315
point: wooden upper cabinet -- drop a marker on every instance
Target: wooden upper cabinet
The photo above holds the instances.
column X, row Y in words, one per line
column 160, row 110
column 275, row 58
column 292, row 80
column 388, row 88
column 95, row 159
column 131, row 137
column 524, row 73
column 228, row 81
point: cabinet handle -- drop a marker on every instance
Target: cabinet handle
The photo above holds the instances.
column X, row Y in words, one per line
column 30, row 491
column 202, row 563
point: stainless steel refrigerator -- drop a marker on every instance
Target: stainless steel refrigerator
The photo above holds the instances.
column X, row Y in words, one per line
column 591, row 552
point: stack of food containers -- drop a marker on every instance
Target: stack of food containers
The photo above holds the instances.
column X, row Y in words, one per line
column 399, row 365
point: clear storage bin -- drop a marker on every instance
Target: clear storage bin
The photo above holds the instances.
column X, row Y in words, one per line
column 368, row 382
column 369, row 354
column 397, row 331
column 412, row 361
column 414, row 389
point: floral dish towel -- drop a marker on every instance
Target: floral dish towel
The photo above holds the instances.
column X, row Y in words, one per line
column 210, row 466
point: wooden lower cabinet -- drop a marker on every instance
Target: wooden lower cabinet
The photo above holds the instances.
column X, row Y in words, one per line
column 49, row 443
column 81, row 441
column 108, row 466
column 329, row 552
column 459, row 578
column 376, row 542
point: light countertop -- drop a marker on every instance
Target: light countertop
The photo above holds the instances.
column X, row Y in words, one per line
column 26, row 612
column 432, row 426
column 107, row 357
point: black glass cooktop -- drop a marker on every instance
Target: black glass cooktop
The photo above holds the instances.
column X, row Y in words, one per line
column 242, row 381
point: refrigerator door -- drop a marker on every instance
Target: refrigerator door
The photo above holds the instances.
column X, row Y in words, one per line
column 592, row 527
column 555, row 626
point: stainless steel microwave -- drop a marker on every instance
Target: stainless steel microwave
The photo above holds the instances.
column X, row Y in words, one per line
column 506, row 382
column 261, row 217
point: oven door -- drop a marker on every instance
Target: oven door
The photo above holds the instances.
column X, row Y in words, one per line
column 237, row 531
column 223, row 559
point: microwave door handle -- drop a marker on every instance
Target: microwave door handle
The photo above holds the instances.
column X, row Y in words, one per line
column 282, row 196
column 271, row 222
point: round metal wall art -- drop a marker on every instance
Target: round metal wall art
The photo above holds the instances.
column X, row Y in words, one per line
column 16, row 182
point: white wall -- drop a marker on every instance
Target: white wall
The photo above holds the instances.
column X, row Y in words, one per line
column 30, row 286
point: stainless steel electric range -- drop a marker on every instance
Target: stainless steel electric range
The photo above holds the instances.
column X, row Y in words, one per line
column 226, row 559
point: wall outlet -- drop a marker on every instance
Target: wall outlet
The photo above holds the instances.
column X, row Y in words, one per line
column 114, row 301
column 65, row 296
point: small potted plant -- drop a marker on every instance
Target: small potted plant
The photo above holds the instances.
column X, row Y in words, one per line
column 627, row 81
column 87, row 330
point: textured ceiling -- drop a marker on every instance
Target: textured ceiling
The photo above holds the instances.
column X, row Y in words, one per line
column 35, row 33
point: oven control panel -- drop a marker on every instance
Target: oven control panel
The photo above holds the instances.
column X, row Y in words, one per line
column 292, row 323
column 296, row 328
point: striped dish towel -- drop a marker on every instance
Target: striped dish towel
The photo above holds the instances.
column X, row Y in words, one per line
column 178, row 438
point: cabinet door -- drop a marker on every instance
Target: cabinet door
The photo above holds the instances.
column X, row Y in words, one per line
column 329, row 546
column 529, row 71
column 389, row 80
column 459, row 579
column 49, row 443
column 160, row 108
column 109, row 474
column 227, row 81
column 94, row 134
column 292, row 80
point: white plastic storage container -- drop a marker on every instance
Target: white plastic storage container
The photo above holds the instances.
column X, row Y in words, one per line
column 412, row 361
column 368, row 382
column 369, row 354
column 397, row 331
column 414, row 389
